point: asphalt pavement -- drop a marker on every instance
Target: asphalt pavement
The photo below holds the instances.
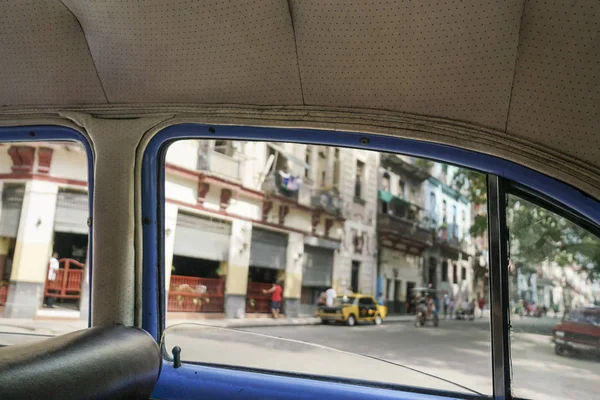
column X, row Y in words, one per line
column 456, row 351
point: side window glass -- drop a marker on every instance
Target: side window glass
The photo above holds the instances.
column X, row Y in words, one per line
column 44, row 210
column 312, row 236
column 555, row 318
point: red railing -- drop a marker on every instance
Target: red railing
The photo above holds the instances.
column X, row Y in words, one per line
column 193, row 294
column 3, row 292
column 256, row 300
column 67, row 283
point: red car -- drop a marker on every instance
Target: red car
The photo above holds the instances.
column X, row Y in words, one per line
column 579, row 332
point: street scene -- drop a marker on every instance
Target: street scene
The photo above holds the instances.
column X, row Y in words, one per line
column 316, row 260
column 457, row 351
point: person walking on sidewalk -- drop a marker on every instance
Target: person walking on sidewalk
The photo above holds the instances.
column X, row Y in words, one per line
column 53, row 267
column 330, row 296
column 446, row 304
column 276, row 298
column 481, row 306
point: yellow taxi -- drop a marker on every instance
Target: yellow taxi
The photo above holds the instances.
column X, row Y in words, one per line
column 352, row 309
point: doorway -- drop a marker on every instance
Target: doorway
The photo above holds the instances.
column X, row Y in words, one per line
column 398, row 306
column 410, row 297
column 433, row 272
column 354, row 276
column 196, row 285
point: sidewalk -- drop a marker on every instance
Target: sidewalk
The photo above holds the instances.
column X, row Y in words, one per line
column 59, row 327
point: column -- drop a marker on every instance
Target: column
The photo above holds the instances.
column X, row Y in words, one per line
column 84, row 298
column 292, row 286
column 238, row 263
column 341, row 271
column 171, row 211
column 33, row 249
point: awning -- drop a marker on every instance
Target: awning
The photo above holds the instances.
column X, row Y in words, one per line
column 318, row 242
column 289, row 156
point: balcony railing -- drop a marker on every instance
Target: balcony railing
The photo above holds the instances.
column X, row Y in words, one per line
column 448, row 234
column 402, row 218
column 408, row 229
column 282, row 184
column 328, row 200
column 220, row 164
column 415, row 167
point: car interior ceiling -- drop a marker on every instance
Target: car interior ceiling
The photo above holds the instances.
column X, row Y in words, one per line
column 499, row 88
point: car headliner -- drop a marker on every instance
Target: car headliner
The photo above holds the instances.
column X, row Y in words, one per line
column 516, row 79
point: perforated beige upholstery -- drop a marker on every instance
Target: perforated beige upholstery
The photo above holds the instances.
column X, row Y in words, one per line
column 522, row 73
column 519, row 79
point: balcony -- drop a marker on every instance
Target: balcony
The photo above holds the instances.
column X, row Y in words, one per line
column 282, row 184
column 220, row 164
column 447, row 236
column 416, row 167
column 328, row 200
column 402, row 221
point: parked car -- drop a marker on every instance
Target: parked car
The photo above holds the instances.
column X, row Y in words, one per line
column 578, row 332
column 352, row 309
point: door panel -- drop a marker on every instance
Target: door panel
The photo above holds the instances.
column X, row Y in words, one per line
column 206, row 382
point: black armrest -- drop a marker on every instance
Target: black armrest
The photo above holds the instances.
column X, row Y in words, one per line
column 97, row 363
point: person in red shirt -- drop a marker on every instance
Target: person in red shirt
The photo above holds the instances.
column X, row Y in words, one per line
column 481, row 306
column 276, row 298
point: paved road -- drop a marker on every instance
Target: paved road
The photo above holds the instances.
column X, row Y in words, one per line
column 458, row 351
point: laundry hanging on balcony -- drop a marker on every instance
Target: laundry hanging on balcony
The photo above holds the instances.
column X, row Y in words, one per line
column 289, row 182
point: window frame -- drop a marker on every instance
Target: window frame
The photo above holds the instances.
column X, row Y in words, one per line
column 56, row 133
column 498, row 170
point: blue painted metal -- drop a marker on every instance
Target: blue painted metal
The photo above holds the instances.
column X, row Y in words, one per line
column 209, row 382
column 153, row 177
column 50, row 133
column 205, row 382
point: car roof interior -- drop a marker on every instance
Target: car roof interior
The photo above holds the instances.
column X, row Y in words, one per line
column 517, row 79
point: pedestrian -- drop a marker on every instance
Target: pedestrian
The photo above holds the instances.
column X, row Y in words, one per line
column 322, row 300
column 321, row 303
column 276, row 298
column 481, row 306
column 380, row 299
column 330, row 296
column 52, row 268
column 446, row 304
column 451, row 308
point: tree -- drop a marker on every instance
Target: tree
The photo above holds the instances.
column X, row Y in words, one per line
column 537, row 235
column 474, row 186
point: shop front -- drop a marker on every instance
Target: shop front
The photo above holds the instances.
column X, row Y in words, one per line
column 267, row 266
column 200, row 250
column 317, row 272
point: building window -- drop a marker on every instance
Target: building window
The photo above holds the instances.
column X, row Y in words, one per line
column 225, row 147
column 308, row 159
column 336, row 166
column 463, row 274
column 444, row 204
column 445, row 271
column 359, row 183
column 454, row 273
column 454, row 231
column 401, row 188
column 354, row 277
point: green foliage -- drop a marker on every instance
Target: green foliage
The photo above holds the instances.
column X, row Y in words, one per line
column 537, row 235
column 423, row 163
column 473, row 184
column 479, row 226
